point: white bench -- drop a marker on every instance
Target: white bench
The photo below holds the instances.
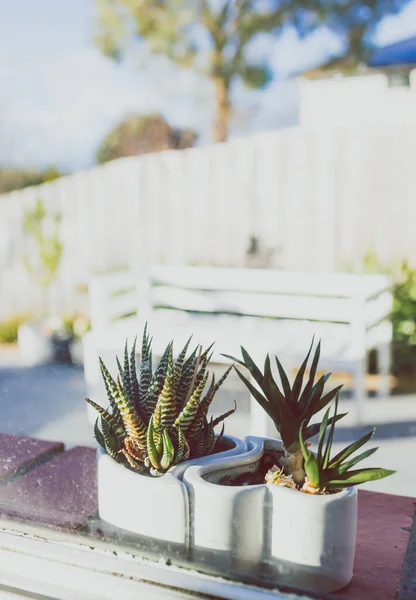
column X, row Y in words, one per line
column 263, row 310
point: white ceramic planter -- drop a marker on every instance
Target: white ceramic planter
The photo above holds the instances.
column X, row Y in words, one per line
column 157, row 507
column 35, row 347
column 266, row 530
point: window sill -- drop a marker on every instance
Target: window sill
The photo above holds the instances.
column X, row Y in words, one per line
column 50, row 533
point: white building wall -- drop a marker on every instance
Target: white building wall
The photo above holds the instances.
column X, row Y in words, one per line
column 365, row 99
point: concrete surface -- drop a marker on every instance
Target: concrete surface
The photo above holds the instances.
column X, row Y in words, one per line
column 62, row 492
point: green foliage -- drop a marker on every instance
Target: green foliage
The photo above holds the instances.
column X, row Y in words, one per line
column 76, row 325
column 45, row 264
column 10, row 327
column 16, row 179
column 403, row 315
column 404, row 306
column 326, row 473
column 157, row 419
column 141, row 134
column 292, row 406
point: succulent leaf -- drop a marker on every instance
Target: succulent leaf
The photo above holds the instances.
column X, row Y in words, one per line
column 153, row 453
column 326, row 474
column 297, row 384
column 112, row 443
column 112, row 421
column 225, row 415
column 290, row 408
column 168, row 451
column 110, row 387
column 98, row 435
column 134, row 384
column 167, row 399
column 178, row 367
column 187, row 415
column 183, row 447
column 133, row 424
column 144, row 427
column 346, row 452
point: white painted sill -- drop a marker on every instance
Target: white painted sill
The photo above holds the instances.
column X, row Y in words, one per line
column 60, row 567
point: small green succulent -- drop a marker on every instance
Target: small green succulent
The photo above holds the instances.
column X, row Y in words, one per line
column 326, row 473
column 293, row 405
column 159, row 419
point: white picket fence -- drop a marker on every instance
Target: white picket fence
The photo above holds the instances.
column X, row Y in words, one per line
column 316, row 199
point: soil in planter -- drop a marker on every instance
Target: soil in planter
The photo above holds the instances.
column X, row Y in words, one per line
column 267, row 461
column 222, row 446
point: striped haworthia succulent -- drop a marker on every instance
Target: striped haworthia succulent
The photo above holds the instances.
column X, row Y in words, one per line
column 158, row 418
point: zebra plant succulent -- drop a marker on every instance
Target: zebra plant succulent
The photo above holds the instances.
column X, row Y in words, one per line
column 158, row 419
column 292, row 406
column 324, row 473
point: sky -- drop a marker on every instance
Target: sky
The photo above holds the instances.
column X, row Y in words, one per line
column 59, row 96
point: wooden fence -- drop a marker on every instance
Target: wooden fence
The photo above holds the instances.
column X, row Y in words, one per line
column 314, row 200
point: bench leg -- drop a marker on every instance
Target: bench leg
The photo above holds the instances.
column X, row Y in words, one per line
column 384, row 363
column 359, row 390
column 260, row 423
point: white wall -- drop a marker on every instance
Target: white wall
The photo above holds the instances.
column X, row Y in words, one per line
column 363, row 100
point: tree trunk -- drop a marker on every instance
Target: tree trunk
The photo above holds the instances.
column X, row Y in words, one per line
column 222, row 109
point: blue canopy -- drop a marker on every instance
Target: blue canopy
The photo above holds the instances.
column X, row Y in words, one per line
column 400, row 53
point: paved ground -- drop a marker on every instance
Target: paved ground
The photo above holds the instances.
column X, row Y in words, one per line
column 48, row 402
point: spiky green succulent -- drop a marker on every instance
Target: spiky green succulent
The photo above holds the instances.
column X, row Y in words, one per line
column 326, row 473
column 157, row 419
column 293, row 405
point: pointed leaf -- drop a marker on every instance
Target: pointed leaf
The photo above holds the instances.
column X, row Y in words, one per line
column 310, row 462
column 315, row 396
column 168, row 451
column 322, row 431
column 258, row 396
column 112, row 421
column 224, row 415
column 350, row 463
column 252, row 367
column 325, row 400
column 330, row 437
column 98, row 435
column 297, row 384
column 285, row 382
column 346, row 452
column 358, row 476
column 151, row 446
column 303, row 400
column 120, row 368
column 271, row 389
column 314, row 429
column 234, row 359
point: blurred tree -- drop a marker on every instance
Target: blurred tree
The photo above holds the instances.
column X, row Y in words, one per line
column 355, row 21
column 142, row 134
column 16, row 179
column 213, row 36
column 208, row 36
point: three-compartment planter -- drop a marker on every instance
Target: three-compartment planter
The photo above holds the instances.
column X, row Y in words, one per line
column 292, row 538
column 156, row 507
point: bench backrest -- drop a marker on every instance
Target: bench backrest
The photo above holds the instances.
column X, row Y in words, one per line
column 343, row 298
column 271, row 293
column 112, row 296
